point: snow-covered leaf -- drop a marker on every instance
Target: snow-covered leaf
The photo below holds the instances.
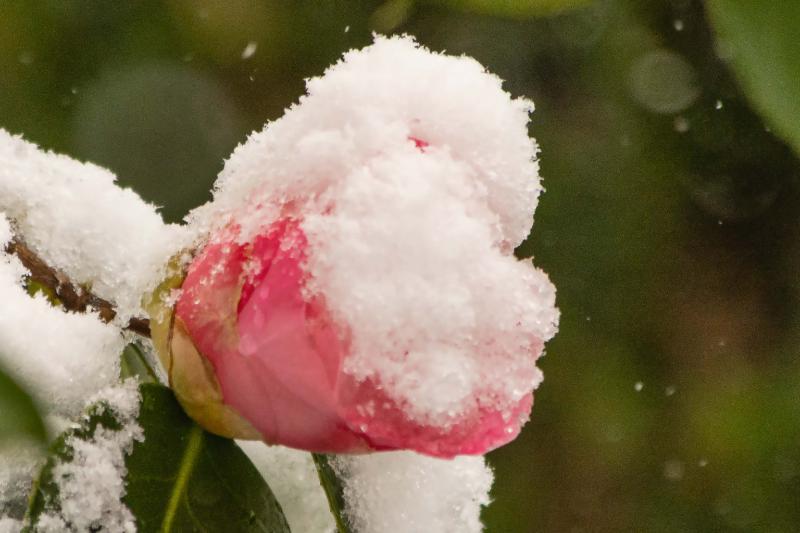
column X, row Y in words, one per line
column 762, row 43
column 46, row 507
column 333, row 490
column 18, row 414
column 179, row 478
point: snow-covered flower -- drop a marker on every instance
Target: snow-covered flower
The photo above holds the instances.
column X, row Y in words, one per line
column 355, row 287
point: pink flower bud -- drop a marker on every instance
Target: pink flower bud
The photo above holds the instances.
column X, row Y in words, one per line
column 357, row 289
column 278, row 357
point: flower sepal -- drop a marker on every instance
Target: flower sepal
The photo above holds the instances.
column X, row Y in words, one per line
column 191, row 375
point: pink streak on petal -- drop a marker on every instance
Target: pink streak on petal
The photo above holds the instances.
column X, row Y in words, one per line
column 419, row 143
column 387, row 426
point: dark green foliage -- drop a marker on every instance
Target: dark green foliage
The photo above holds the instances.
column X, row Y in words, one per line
column 513, row 8
column 181, row 478
column 762, row 41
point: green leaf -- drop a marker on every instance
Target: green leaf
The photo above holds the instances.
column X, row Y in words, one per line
column 19, row 417
column 180, row 478
column 134, row 363
column 333, row 490
column 513, row 8
column 34, row 287
column 762, row 41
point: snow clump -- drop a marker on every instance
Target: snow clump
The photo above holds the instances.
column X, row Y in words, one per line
column 404, row 492
column 76, row 218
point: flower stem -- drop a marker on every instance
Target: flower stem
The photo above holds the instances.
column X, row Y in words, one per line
column 72, row 296
column 333, row 490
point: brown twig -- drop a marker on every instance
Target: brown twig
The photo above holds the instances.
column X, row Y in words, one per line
column 73, row 297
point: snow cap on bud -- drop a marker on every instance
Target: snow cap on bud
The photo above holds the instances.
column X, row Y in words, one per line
column 355, row 288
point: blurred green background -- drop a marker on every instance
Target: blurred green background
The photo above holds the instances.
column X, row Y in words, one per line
column 670, row 225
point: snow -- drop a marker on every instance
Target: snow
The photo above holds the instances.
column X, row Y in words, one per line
column 19, row 464
column 75, row 217
column 373, row 101
column 292, row 476
column 5, row 231
column 61, row 358
column 391, row 492
column 92, row 484
column 413, row 177
column 78, row 220
column 9, row 525
column 403, row 492
column 249, row 50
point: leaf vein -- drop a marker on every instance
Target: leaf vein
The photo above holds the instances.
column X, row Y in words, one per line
column 190, row 454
